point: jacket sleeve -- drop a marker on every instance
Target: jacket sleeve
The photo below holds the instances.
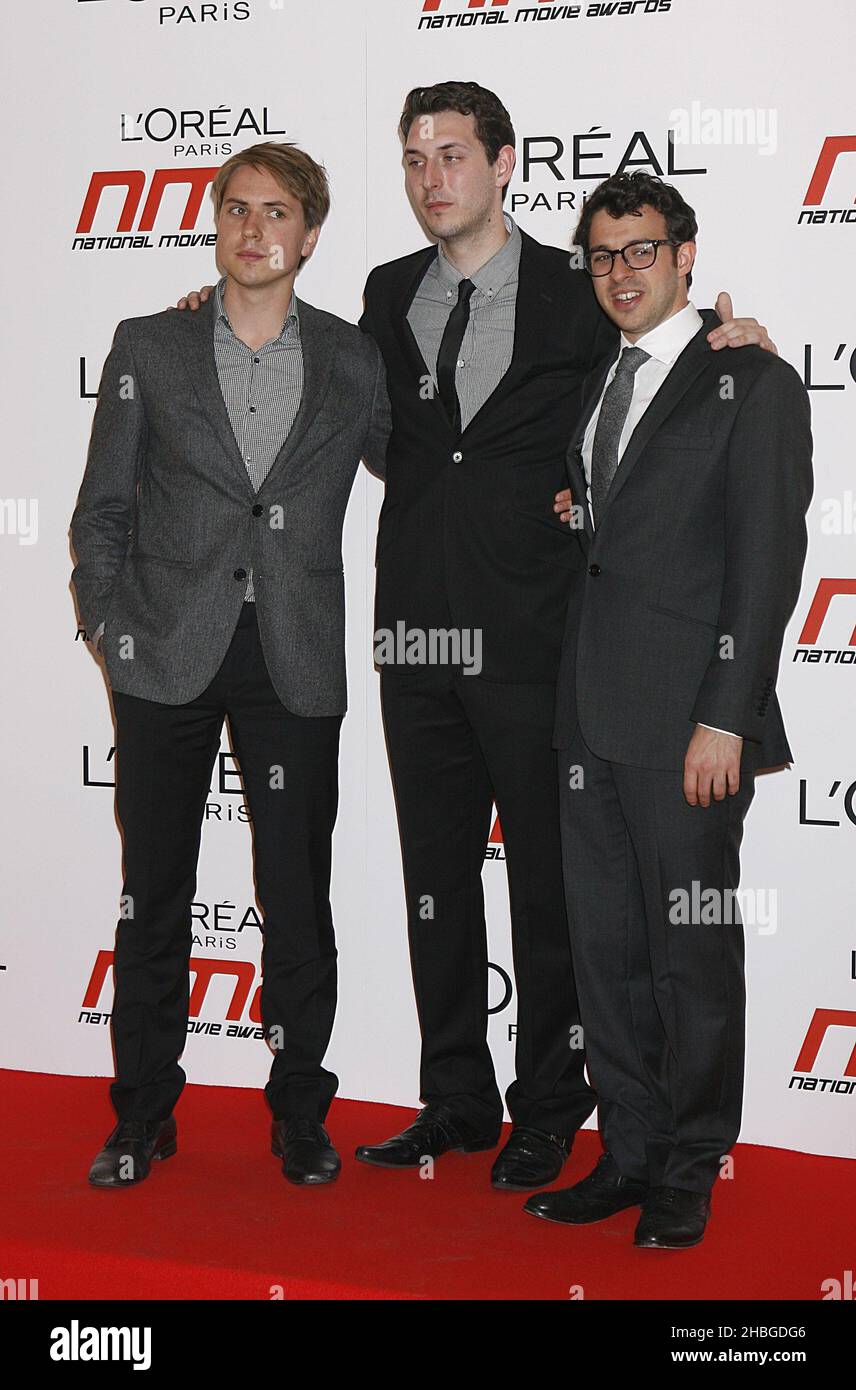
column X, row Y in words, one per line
column 380, row 422
column 107, row 502
column 767, row 493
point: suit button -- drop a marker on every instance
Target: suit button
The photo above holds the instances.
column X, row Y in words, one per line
column 594, row 570
column 457, row 456
column 257, row 510
column 240, row 574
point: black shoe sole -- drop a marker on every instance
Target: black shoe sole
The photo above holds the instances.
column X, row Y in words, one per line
column 480, row 1146
column 662, row 1245
column 312, row 1179
column 166, row 1152
column 581, row 1220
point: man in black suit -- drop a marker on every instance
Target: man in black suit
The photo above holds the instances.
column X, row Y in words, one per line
column 486, row 337
column 691, row 485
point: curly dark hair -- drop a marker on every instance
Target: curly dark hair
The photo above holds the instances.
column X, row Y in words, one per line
column 493, row 123
column 624, row 193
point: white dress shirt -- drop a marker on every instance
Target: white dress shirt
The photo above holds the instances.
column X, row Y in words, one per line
column 665, row 343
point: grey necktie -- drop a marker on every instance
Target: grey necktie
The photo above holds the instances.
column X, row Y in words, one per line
column 610, row 423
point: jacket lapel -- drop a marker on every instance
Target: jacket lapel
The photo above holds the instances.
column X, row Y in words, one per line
column 534, row 300
column 194, row 333
column 577, row 482
column 592, row 391
column 406, row 336
column 691, row 362
column 318, row 357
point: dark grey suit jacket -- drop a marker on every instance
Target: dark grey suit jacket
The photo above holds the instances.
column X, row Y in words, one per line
column 167, row 523
column 702, row 538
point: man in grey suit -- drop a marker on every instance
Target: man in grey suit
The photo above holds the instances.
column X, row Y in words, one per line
column 691, row 477
column 208, row 541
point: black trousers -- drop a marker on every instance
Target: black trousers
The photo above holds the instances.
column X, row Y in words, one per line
column 165, row 755
column 661, row 981
column 456, row 743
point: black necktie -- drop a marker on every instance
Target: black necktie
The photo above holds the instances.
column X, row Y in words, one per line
column 614, row 410
column 450, row 347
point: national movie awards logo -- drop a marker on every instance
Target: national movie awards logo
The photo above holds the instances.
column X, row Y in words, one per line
column 240, row 978
column 806, row 1067
column 813, row 213
column 817, row 621
column 484, row 14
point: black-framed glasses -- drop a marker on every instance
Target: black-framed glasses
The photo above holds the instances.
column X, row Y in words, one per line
column 636, row 255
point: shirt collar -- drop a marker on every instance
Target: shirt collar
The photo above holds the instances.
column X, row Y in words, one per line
column 669, row 338
column 495, row 273
column 291, row 318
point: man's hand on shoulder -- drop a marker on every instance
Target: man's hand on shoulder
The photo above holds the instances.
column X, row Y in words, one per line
column 194, row 298
column 734, row 332
column 711, row 766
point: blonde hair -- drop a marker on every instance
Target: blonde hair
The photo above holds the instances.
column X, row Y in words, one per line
column 295, row 170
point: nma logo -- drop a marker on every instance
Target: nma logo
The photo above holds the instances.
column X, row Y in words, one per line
column 832, row 147
column 134, row 181
column 808, row 648
column 822, row 1021
column 240, row 974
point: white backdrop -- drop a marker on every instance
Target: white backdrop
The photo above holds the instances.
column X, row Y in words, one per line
column 101, row 85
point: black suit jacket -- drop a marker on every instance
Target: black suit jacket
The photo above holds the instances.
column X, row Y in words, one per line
column 702, row 539
column 467, row 535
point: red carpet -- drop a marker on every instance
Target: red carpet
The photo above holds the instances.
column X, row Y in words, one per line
column 218, row 1221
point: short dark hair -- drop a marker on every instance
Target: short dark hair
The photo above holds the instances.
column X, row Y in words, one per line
column 493, row 123
column 629, row 193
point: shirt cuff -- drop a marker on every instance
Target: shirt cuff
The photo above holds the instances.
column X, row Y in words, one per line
column 720, row 731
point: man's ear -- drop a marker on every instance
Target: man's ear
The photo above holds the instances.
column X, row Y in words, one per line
column 310, row 242
column 685, row 257
column 505, row 162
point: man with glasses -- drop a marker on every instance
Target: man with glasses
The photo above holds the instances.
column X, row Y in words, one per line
column 693, row 483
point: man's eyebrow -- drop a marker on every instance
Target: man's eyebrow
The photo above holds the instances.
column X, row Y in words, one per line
column 449, row 145
column 602, row 246
column 271, row 203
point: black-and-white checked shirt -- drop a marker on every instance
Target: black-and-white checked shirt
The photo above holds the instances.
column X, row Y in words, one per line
column 488, row 342
column 261, row 390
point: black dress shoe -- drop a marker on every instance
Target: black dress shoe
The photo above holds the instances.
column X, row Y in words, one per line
column 128, row 1153
column 435, row 1131
column 305, row 1149
column 603, row 1193
column 531, row 1158
column 672, row 1219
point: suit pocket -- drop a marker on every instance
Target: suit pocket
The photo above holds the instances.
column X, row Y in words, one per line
column 682, row 617
column 327, row 570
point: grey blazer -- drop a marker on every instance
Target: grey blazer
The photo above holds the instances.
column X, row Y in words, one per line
column 702, row 539
column 167, row 523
